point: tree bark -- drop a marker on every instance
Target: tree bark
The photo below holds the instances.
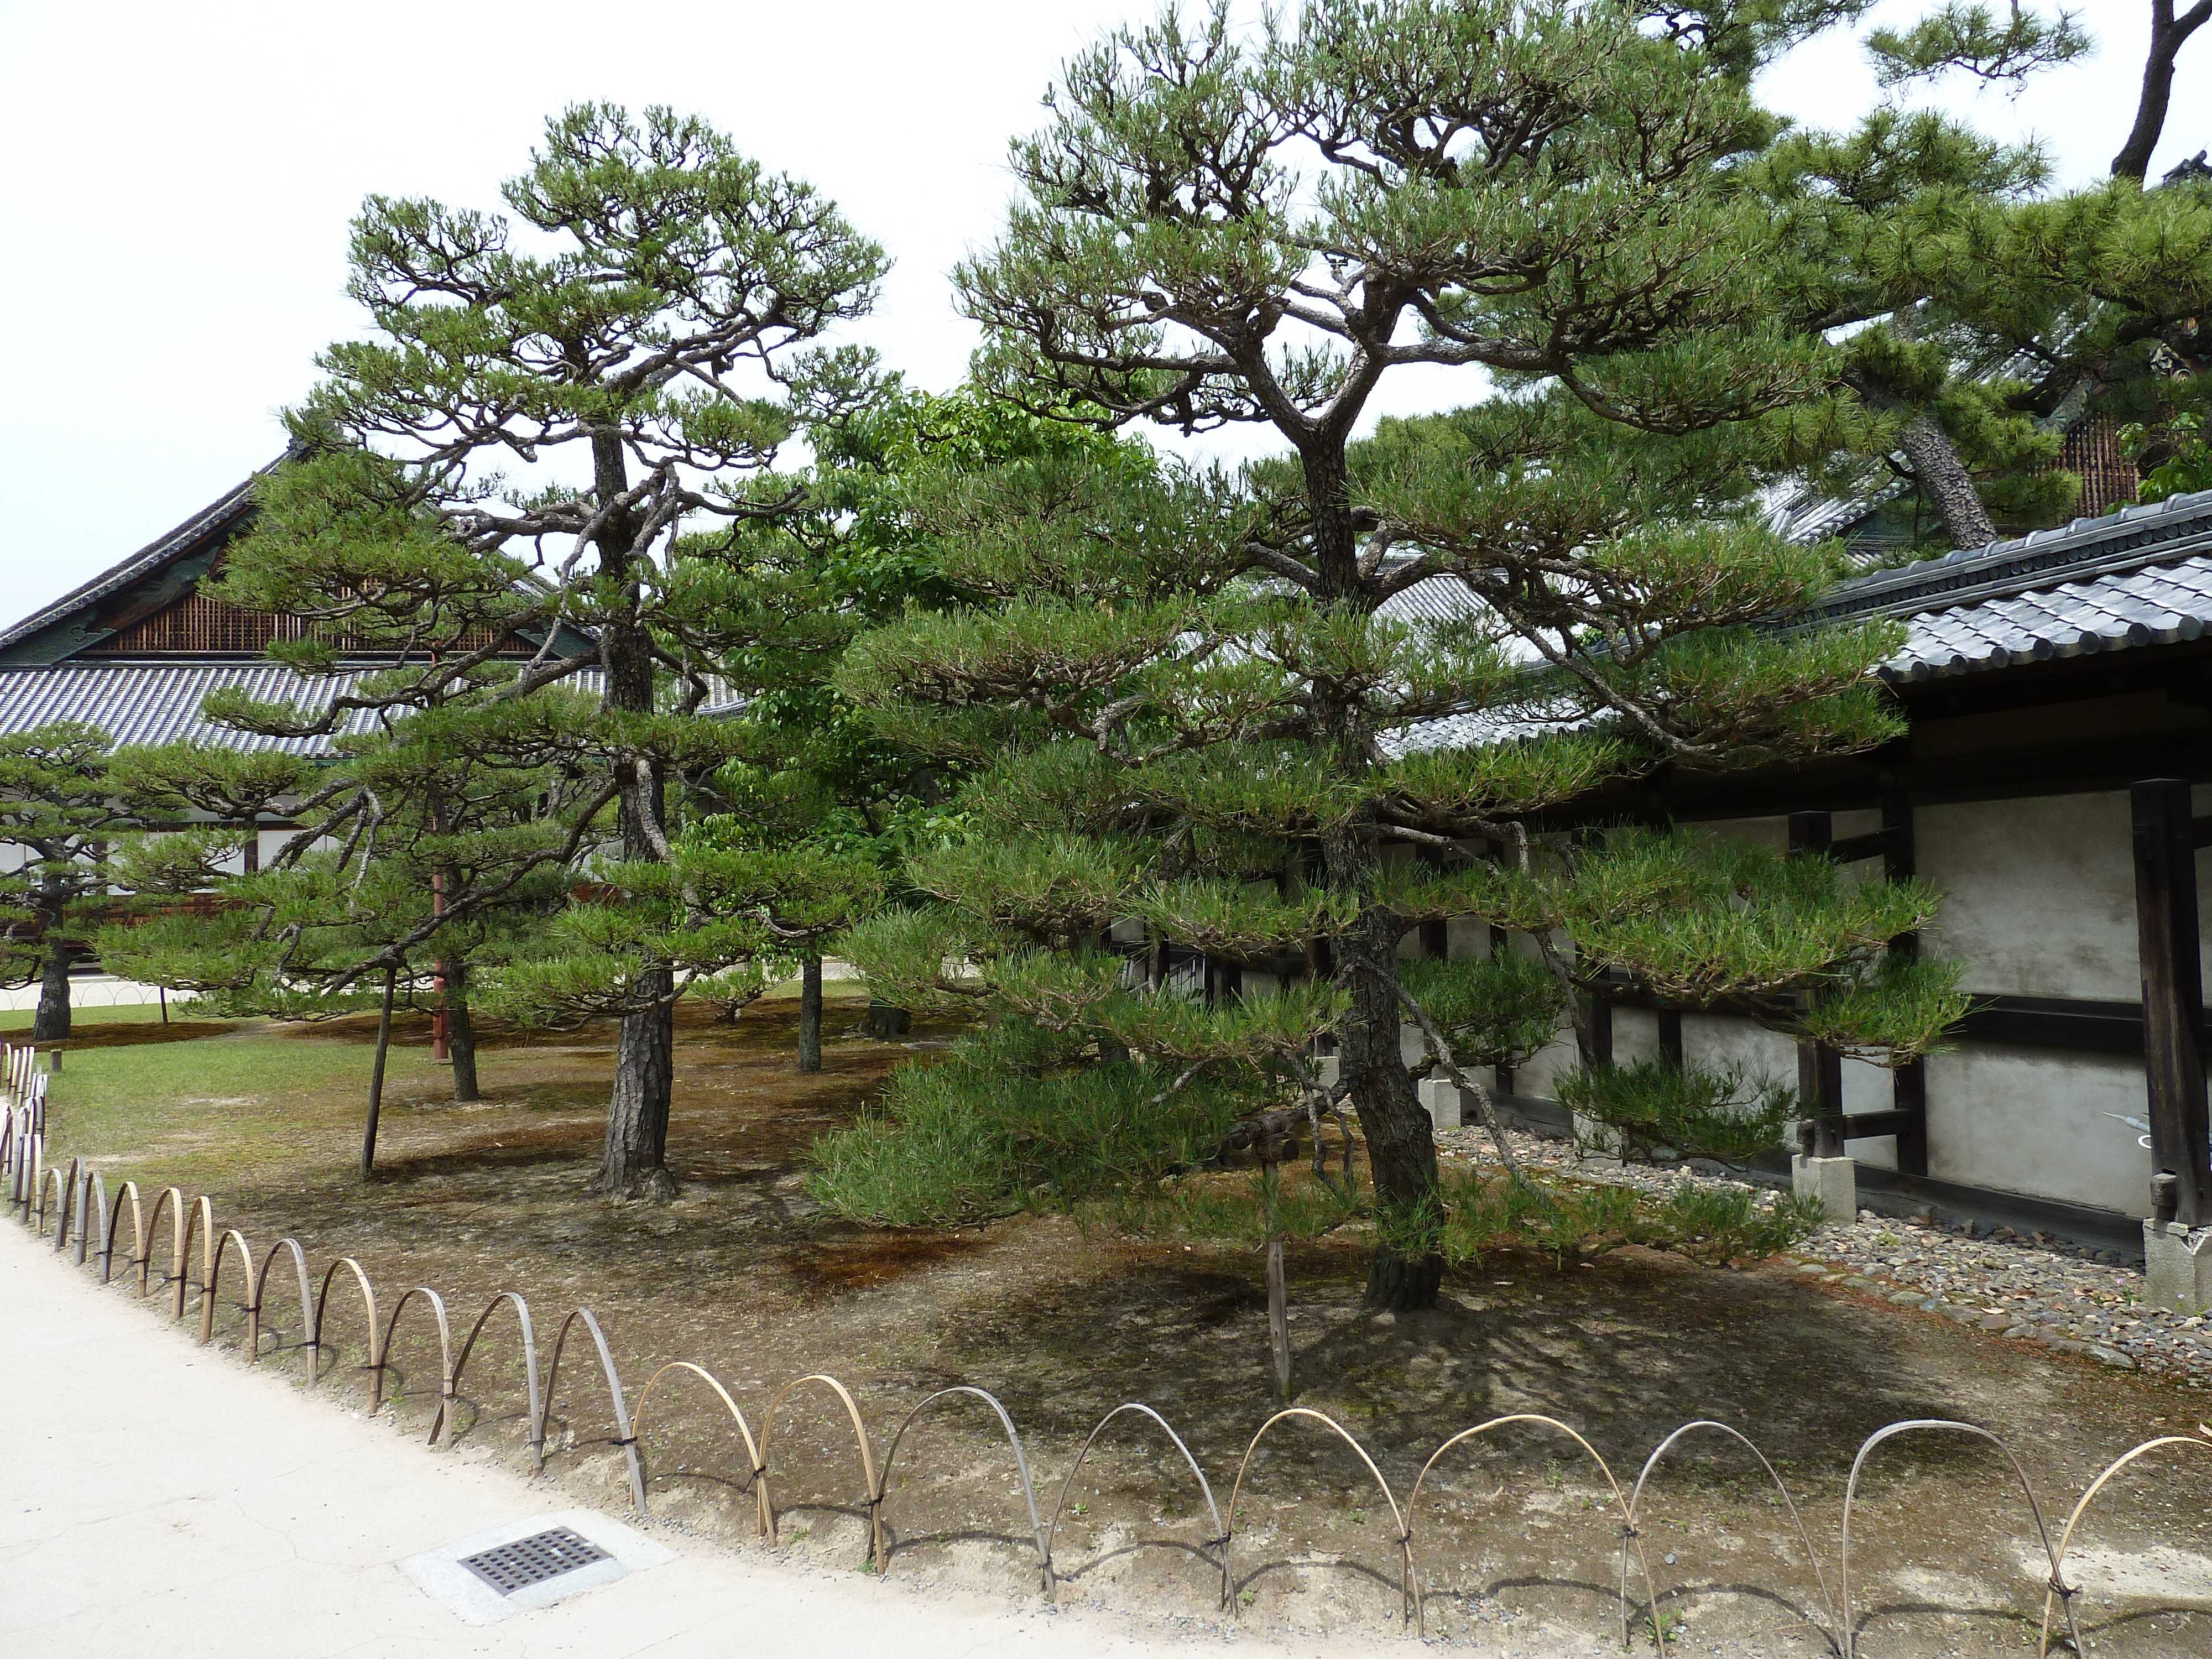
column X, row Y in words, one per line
column 1936, row 463
column 883, row 1020
column 51, row 1023
column 1401, row 1150
column 635, row 1162
column 2167, row 35
column 376, row 1080
column 460, row 1034
column 810, row 1015
column 634, row 1165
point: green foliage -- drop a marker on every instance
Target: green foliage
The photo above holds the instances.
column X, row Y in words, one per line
column 58, row 807
column 1010, row 1119
column 2180, row 457
column 1495, row 1010
column 1479, row 1216
column 1970, row 38
column 1651, row 1112
column 1190, row 711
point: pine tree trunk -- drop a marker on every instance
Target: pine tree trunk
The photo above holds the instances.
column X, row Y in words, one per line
column 461, row 1034
column 635, row 1161
column 810, row 1015
column 376, row 1080
column 1401, row 1149
column 51, row 1023
column 883, row 1020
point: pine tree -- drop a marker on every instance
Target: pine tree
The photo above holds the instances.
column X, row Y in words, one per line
column 1992, row 313
column 640, row 345
column 58, row 810
column 1195, row 704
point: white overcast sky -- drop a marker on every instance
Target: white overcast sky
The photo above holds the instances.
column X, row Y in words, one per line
column 176, row 213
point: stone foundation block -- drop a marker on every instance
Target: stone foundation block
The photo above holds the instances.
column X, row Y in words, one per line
column 1441, row 1096
column 1324, row 1069
column 2177, row 1267
column 1833, row 1181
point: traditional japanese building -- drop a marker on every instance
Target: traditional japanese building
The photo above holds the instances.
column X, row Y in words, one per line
column 137, row 650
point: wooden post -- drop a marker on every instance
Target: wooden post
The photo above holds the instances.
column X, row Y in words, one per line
column 2173, row 1000
column 1908, row 1083
column 1500, row 942
column 1820, row 1068
column 1670, row 1038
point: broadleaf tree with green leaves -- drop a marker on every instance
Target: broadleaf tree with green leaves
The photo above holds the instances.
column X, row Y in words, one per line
column 1284, row 718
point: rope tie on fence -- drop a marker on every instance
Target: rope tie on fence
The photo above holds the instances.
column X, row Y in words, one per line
column 627, row 1440
column 2061, row 1588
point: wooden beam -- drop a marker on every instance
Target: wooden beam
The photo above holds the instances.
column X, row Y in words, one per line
column 1670, row 1036
column 1820, row 1068
column 1501, row 942
column 1908, row 1083
column 2173, row 997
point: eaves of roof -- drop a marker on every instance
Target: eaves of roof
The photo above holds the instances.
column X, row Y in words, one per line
column 192, row 535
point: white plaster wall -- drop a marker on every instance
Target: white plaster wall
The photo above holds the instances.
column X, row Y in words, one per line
column 2038, row 896
column 2032, row 1121
column 1635, row 1035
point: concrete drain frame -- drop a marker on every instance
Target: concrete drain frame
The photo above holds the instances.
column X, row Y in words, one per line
column 583, row 1549
column 73, row 1207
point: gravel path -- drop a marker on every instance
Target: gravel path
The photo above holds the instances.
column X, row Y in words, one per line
column 2011, row 1284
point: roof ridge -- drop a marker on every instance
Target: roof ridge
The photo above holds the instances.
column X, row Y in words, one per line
column 146, row 560
column 2084, row 548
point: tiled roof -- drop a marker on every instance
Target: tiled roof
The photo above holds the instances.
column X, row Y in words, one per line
column 2141, row 576
column 160, row 702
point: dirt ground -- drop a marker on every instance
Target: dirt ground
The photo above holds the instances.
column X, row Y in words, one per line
column 1516, row 1538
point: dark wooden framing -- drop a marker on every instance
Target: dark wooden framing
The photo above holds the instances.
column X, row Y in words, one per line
column 2167, row 836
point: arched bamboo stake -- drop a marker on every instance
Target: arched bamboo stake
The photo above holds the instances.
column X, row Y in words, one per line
column 867, row 1462
column 529, row 1366
column 1850, row 1494
column 1636, row 1500
column 2058, row 1587
column 445, row 1359
column 1627, row 1520
column 1220, row 1534
column 72, row 1205
column 311, row 1328
column 629, row 1441
column 1021, row 1465
column 176, row 1240
column 93, row 1210
column 368, row 1299
column 29, row 1167
column 1408, row 1606
column 137, row 1235
column 201, row 1226
column 230, row 1236
column 756, row 1467
column 53, row 1177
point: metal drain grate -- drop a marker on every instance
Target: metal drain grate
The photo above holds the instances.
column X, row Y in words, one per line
column 534, row 1559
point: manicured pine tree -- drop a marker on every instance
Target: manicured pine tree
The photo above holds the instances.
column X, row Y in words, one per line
column 1984, row 307
column 1191, row 702
column 635, row 342
column 60, row 815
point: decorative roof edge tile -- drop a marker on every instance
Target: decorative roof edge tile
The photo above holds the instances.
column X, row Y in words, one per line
column 2128, row 540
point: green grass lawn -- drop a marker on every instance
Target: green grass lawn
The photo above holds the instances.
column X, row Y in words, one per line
column 254, row 1095
column 19, row 1019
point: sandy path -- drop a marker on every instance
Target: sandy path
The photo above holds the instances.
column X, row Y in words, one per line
column 158, row 1498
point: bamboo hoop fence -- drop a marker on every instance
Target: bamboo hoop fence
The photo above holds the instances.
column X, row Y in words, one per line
column 81, row 1214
